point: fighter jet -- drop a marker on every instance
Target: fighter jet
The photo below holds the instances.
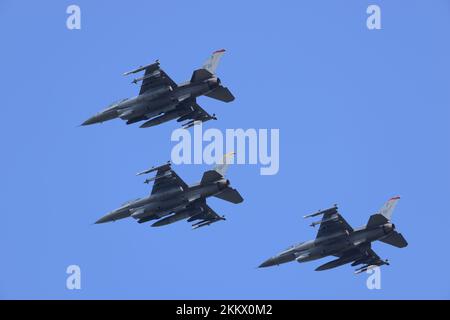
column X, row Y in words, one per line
column 337, row 238
column 160, row 99
column 172, row 199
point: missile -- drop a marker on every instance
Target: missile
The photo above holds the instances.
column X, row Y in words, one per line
column 365, row 268
column 152, row 67
column 321, row 212
column 191, row 124
column 158, row 120
column 152, row 169
column 154, row 74
column 177, row 217
column 372, row 266
column 332, row 218
column 166, row 174
column 197, row 121
column 205, row 223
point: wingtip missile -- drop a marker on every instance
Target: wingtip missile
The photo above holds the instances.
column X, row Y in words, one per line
column 152, row 169
column 321, row 212
column 154, row 66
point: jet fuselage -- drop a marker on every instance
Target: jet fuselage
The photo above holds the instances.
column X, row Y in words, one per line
column 154, row 102
column 164, row 203
column 330, row 245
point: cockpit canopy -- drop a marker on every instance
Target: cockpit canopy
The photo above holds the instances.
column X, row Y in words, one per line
column 294, row 246
column 114, row 104
column 129, row 202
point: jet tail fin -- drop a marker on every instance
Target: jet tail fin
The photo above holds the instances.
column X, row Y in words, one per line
column 219, row 171
column 213, row 61
column 222, row 167
column 230, row 195
column 389, row 207
column 395, row 239
column 211, row 176
column 200, row 75
column 376, row 220
column 221, row 93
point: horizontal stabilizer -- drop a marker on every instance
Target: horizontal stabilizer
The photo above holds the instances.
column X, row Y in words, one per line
column 211, row 176
column 222, row 94
column 395, row 239
column 200, row 75
column 376, row 220
column 230, row 195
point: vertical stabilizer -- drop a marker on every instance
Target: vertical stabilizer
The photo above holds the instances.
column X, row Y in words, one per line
column 213, row 61
column 389, row 207
column 222, row 167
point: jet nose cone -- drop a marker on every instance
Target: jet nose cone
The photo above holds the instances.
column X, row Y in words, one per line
column 109, row 217
column 268, row 263
column 91, row 120
column 100, row 117
column 101, row 220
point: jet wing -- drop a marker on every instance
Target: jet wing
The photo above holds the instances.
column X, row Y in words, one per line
column 332, row 223
column 153, row 77
column 362, row 254
column 166, row 178
column 372, row 258
column 195, row 113
column 207, row 217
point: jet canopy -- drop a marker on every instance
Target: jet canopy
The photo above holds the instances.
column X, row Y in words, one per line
column 114, row 104
column 130, row 202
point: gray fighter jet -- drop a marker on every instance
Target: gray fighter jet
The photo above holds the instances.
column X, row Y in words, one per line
column 337, row 238
column 172, row 199
column 160, row 99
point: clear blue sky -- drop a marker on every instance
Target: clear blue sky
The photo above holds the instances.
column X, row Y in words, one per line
column 363, row 115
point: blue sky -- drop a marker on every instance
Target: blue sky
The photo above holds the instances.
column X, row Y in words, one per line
column 363, row 116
